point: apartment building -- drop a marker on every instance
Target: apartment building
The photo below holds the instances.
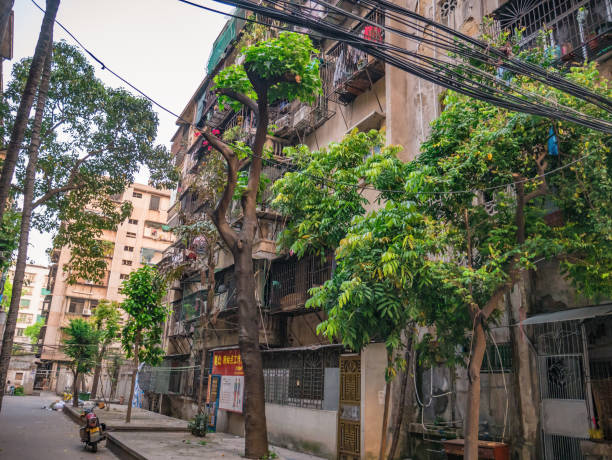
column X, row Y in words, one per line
column 33, row 294
column 140, row 240
column 320, row 397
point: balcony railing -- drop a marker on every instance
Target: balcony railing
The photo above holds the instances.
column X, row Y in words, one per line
column 290, row 281
column 581, row 30
column 348, row 72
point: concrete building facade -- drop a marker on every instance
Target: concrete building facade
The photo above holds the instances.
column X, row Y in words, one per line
column 321, row 398
column 139, row 240
column 32, row 298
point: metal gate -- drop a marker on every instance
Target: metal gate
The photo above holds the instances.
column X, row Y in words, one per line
column 349, row 410
column 562, row 359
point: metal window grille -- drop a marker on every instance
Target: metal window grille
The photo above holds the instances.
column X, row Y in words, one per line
column 297, row 378
column 345, row 71
column 580, row 29
column 290, row 281
column 497, row 362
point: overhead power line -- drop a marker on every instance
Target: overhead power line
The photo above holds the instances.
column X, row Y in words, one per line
column 324, row 181
column 447, row 72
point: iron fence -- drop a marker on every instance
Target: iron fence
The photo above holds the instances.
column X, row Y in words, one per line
column 579, row 29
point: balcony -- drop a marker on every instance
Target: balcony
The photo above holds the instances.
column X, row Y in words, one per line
column 290, row 281
column 348, row 72
column 581, row 30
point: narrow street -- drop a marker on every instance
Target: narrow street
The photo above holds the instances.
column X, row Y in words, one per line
column 29, row 432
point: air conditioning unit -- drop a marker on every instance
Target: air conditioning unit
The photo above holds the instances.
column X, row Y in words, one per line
column 86, row 312
column 283, row 123
column 301, row 119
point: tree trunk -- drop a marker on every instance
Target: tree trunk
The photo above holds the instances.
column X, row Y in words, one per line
column 256, row 433
column 97, row 372
column 399, row 417
column 26, row 217
column 6, row 6
column 128, row 414
column 210, row 302
column 470, row 430
column 383, row 433
column 25, row 105
column 75, row 390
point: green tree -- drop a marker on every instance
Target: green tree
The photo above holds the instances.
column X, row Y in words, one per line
column 7, row 294
column 85, row 145
column 106, row 320
column 282, row 68
column 144, row 291
column 33, row 331
column 81, row 345
column 433, row 254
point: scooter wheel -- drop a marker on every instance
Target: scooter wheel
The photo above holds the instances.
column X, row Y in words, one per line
column 94, row 447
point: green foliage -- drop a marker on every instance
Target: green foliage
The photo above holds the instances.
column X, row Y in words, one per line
column 198, row 425
column 106, row 319
column 407, row 262
column 33, row 331
column 19, row 391
column 7, row 294
column 144, row 291
column 94, row 139
column 287, row 62
column 9, row 237
column 328, row 190
column 81, row 344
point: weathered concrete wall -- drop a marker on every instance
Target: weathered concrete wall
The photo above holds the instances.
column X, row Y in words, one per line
column 304, row 430
column 373, row 364
column 23, row 367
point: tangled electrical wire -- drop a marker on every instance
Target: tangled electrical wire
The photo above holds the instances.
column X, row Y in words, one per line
column 451, row 70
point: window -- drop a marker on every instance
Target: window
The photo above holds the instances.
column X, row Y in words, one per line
column 124, row 276
column 24, row 302
column 18, row 375
column 24, row 318
column 127, row 262
column 19, row 332
column 154, row 203
column 497, row 359
column 129, row 248
column 26, row 290
column 93, row 304
column 76, row 306
column 137, row 195
column 133, row 221
column 131, row 235
column 28, row 279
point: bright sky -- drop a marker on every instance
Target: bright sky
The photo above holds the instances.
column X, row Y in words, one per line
column 160, row 46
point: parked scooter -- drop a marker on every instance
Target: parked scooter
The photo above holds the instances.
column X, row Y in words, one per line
column 93, row 432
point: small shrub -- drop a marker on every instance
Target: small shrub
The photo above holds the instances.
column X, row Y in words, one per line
column 199, row 425
column 18, row 391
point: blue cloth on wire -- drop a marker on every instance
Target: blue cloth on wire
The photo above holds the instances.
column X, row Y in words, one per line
column 553, row 145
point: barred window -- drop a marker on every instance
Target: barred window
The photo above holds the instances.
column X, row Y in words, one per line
column 297, row 378
column 497, row 360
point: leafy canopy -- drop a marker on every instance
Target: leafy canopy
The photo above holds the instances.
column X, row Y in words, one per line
column 285, row 61
column 33, row 330
column 94, row 139
column 433, row 259
column 81, row 344
column 144, row 291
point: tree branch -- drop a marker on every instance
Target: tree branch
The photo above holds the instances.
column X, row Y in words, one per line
column 70, row 183
column 240, row 97
column 218, row 216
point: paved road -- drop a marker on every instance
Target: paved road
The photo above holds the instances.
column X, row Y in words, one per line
column 28, row 432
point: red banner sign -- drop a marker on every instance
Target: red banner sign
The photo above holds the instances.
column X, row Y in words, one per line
column 227, row 362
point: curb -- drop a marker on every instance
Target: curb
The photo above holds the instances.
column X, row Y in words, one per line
column 70, row 412
column 121, row 450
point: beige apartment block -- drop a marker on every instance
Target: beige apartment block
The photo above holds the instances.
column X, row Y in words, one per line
column 138, row 241
column 32, row 298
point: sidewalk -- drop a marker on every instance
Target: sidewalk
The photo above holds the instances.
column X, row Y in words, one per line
column 142, row 420
column 152, row 436
column 184, row 446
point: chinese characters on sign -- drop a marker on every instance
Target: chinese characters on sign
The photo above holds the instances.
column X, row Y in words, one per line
column 228, row 364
